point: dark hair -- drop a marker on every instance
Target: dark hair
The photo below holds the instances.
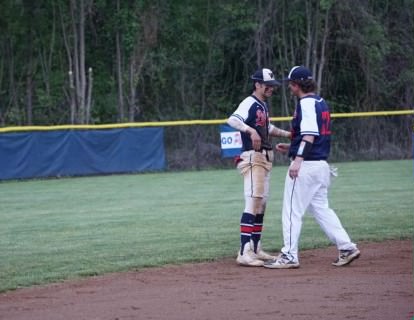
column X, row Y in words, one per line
column 308, row 85
column 254, row 84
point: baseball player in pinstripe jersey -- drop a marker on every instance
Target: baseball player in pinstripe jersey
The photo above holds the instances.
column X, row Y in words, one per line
column 308, row 177
column 251, row 118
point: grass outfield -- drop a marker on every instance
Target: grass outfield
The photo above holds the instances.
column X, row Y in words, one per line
column 58, row 229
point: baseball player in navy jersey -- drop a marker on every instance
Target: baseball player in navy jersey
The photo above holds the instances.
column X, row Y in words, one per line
column 251, row 118
column 308, row 177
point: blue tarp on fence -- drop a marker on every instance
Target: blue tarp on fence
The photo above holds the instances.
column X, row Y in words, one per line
column 80, row 152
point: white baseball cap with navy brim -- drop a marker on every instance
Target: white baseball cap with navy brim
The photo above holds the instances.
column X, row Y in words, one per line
column 265, row 76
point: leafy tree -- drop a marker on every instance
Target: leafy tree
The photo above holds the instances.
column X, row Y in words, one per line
column 159, row 60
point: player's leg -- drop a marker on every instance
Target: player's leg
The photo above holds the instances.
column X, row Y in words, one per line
column 260, row 178
column 329, row 221
column 324, row 215
column 332, row 226
column 259, row 219
column 253, row 185
column 296, row 198
column 297, row 195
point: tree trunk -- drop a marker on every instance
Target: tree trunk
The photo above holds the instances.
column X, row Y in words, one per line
column 69, row 52
column 29, row 99
column 120, row 84
column 308, row 50
column 78, row 53
column 132, row 92
column 322, row 57
column 82, row 69
column 72, row 95
column 89, row 96
column 29, row 86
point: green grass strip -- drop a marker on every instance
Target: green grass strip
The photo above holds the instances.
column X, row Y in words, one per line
column 57, row 229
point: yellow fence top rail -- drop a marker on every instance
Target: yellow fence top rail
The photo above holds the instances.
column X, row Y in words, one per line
column 185, row 122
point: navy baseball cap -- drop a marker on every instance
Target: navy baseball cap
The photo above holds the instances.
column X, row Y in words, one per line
column 299, row 73
column 265, row 76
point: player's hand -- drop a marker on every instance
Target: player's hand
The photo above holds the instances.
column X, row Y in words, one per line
column 295, row 167
column 282, row 147
column 256, row 140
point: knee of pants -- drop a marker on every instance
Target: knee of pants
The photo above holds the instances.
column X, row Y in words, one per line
column 255, row 205
column 256, row 182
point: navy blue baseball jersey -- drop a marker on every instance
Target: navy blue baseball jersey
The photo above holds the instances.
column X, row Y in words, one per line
column 312, row 117
column 254, row 113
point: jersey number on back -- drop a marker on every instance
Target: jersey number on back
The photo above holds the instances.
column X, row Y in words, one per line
column 326, row 123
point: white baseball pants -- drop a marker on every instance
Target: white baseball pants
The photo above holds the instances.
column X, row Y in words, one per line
column 309, row 193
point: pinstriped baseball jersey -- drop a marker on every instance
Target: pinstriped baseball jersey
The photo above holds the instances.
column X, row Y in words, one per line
column 312, row 117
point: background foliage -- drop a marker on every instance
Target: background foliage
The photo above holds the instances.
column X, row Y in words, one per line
column 158, row 60
column 99, row 61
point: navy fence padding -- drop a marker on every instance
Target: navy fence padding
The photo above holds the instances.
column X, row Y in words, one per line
column 80, row 152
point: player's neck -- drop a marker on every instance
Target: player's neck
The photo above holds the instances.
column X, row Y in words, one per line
column 262, row 98
column 303, row 94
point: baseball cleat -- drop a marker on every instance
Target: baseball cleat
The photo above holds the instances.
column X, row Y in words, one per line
column 264, row 256
column 260, row 254
column 346, row 257
column 248, row 258
column 281, row 262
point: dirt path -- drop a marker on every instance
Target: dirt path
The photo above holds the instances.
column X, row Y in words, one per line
column 377, row 286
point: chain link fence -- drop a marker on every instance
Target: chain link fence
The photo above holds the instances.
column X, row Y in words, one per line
column 196, row 147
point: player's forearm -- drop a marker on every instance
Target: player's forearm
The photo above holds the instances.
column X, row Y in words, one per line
column 237, row 124
column 277, row 132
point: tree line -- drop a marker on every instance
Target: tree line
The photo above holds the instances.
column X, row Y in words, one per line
column 100, row 61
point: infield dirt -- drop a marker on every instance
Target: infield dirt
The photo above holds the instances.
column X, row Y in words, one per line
column 379, row 285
